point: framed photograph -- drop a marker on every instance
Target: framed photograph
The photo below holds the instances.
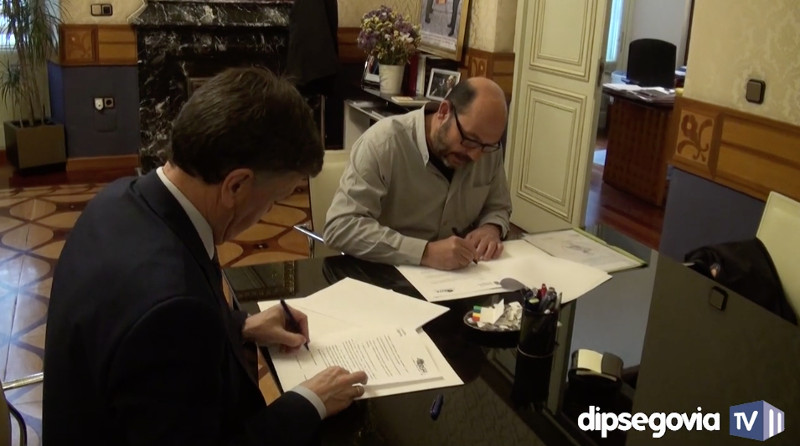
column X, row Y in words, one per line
column 443, row 24
column 371, row 76
column 440, row 83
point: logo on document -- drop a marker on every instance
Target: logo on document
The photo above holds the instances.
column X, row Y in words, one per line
column 421, row 366
column 758, row 420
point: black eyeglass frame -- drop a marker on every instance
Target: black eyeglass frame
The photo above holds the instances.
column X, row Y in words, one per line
column 474, row 143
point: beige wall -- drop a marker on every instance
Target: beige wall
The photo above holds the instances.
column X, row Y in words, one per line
column 661, row 19
column 79, row 11
column 491, row 25
column 735, row 40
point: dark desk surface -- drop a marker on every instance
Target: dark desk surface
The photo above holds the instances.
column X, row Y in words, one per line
column 657, row 101
column 691, row 355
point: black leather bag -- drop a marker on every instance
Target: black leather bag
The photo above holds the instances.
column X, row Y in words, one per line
column 745, row 267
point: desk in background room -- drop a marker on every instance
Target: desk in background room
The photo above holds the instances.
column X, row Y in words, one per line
column 637, row 151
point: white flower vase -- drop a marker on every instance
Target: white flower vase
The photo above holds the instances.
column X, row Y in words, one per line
column 391, row 77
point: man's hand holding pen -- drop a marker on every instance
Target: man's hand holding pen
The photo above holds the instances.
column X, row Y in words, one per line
column 486, row 240
column 448, row 254
column 272, row 326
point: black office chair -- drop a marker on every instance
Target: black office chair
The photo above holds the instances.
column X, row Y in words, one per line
column 651, row 63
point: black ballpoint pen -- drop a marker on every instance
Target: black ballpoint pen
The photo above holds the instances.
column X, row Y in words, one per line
column 458, row 233
column 293, row 324
column 436, row 407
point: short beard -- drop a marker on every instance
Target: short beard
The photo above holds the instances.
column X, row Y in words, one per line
column 438, row 145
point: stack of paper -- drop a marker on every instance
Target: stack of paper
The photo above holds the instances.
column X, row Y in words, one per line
column 363, row 327
column 520, row 260
column 581, row 247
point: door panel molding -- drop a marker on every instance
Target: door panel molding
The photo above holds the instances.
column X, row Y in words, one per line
column 552, row 131
column 559, row 49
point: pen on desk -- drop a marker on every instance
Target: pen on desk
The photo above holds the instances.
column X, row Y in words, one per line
column 458, row 233
column 436, row 407
column 293, row 324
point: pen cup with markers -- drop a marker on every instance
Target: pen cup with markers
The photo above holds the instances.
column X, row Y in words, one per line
column 537, row 342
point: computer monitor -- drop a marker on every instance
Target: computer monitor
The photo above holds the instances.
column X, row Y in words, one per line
column 651, row 63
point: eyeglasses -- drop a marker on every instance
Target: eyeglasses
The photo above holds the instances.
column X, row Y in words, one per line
column 474, row 143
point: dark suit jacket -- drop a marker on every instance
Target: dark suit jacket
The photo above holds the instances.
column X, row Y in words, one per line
column 313, row 55
column 141, row 347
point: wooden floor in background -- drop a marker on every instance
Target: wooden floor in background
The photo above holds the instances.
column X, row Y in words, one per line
column 606, row 205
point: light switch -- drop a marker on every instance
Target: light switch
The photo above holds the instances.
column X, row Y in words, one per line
column 755, row 91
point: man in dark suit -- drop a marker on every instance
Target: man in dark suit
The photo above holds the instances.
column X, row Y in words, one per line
column 453, row 15
column 141, row 346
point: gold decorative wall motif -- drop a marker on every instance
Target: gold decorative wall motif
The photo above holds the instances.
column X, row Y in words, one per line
column 694, row 137
column 748, row 153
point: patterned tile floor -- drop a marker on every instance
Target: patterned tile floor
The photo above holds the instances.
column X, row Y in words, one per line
column 34, row 223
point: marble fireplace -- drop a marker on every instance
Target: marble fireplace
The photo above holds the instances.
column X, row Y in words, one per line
column 180, row 43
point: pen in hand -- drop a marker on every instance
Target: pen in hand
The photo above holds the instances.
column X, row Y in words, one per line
column 458, row 233
column 293, row 324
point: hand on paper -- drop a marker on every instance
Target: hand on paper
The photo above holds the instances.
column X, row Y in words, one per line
column 451, row 253
column 271, row 327
column 486, row 241
column 336, row 387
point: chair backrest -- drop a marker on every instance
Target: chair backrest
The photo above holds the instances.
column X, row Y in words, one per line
column 779, row 230
column 651, row 63
column 321, row 191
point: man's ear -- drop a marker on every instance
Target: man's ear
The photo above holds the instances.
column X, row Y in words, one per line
column 444, row 109
column 236, row 185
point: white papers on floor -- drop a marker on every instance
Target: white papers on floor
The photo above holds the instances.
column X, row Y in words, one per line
column 581, row 247
column 520, row 260
column 351, row 313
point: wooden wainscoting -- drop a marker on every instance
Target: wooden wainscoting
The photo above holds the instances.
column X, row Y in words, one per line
column 83, row 45
column 748, row 153
column 496, row 66
column 95, row 163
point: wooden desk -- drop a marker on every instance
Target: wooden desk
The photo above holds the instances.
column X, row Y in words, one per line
column 637, row 152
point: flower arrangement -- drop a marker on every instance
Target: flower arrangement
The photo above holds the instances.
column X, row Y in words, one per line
column 388, row 36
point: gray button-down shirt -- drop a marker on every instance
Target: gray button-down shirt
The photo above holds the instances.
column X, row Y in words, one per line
column 391, row 200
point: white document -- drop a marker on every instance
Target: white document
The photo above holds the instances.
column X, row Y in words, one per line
column 388, row 356
column 584, row 249
column 520, row 260
column 350, row 304
column 364, row 304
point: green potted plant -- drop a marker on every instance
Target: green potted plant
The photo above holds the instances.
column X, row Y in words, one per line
column 31, row 27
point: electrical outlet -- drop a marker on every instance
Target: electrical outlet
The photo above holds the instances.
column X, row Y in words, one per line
column 98, row 104
column 102, row 9
column 108, row 102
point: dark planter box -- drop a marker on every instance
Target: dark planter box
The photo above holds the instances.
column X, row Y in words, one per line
column 41, row 145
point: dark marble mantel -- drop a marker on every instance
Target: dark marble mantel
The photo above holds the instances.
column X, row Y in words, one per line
column 219, row 13
column 179, row 41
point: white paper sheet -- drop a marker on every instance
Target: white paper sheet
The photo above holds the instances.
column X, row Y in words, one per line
column 582, row 248
column 348, row 299
column 520, row 260
column 388, row 356
column 352, row 304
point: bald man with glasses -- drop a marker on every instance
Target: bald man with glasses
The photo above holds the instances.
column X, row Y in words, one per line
column 428, row 187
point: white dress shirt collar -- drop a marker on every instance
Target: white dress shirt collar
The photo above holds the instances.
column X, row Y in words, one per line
column 198, row 221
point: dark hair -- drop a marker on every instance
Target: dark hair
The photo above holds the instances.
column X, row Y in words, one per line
column 461, row 96
column 245, row 117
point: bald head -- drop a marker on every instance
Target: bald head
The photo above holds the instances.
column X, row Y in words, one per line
column 483, row 93
column 481, row 107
